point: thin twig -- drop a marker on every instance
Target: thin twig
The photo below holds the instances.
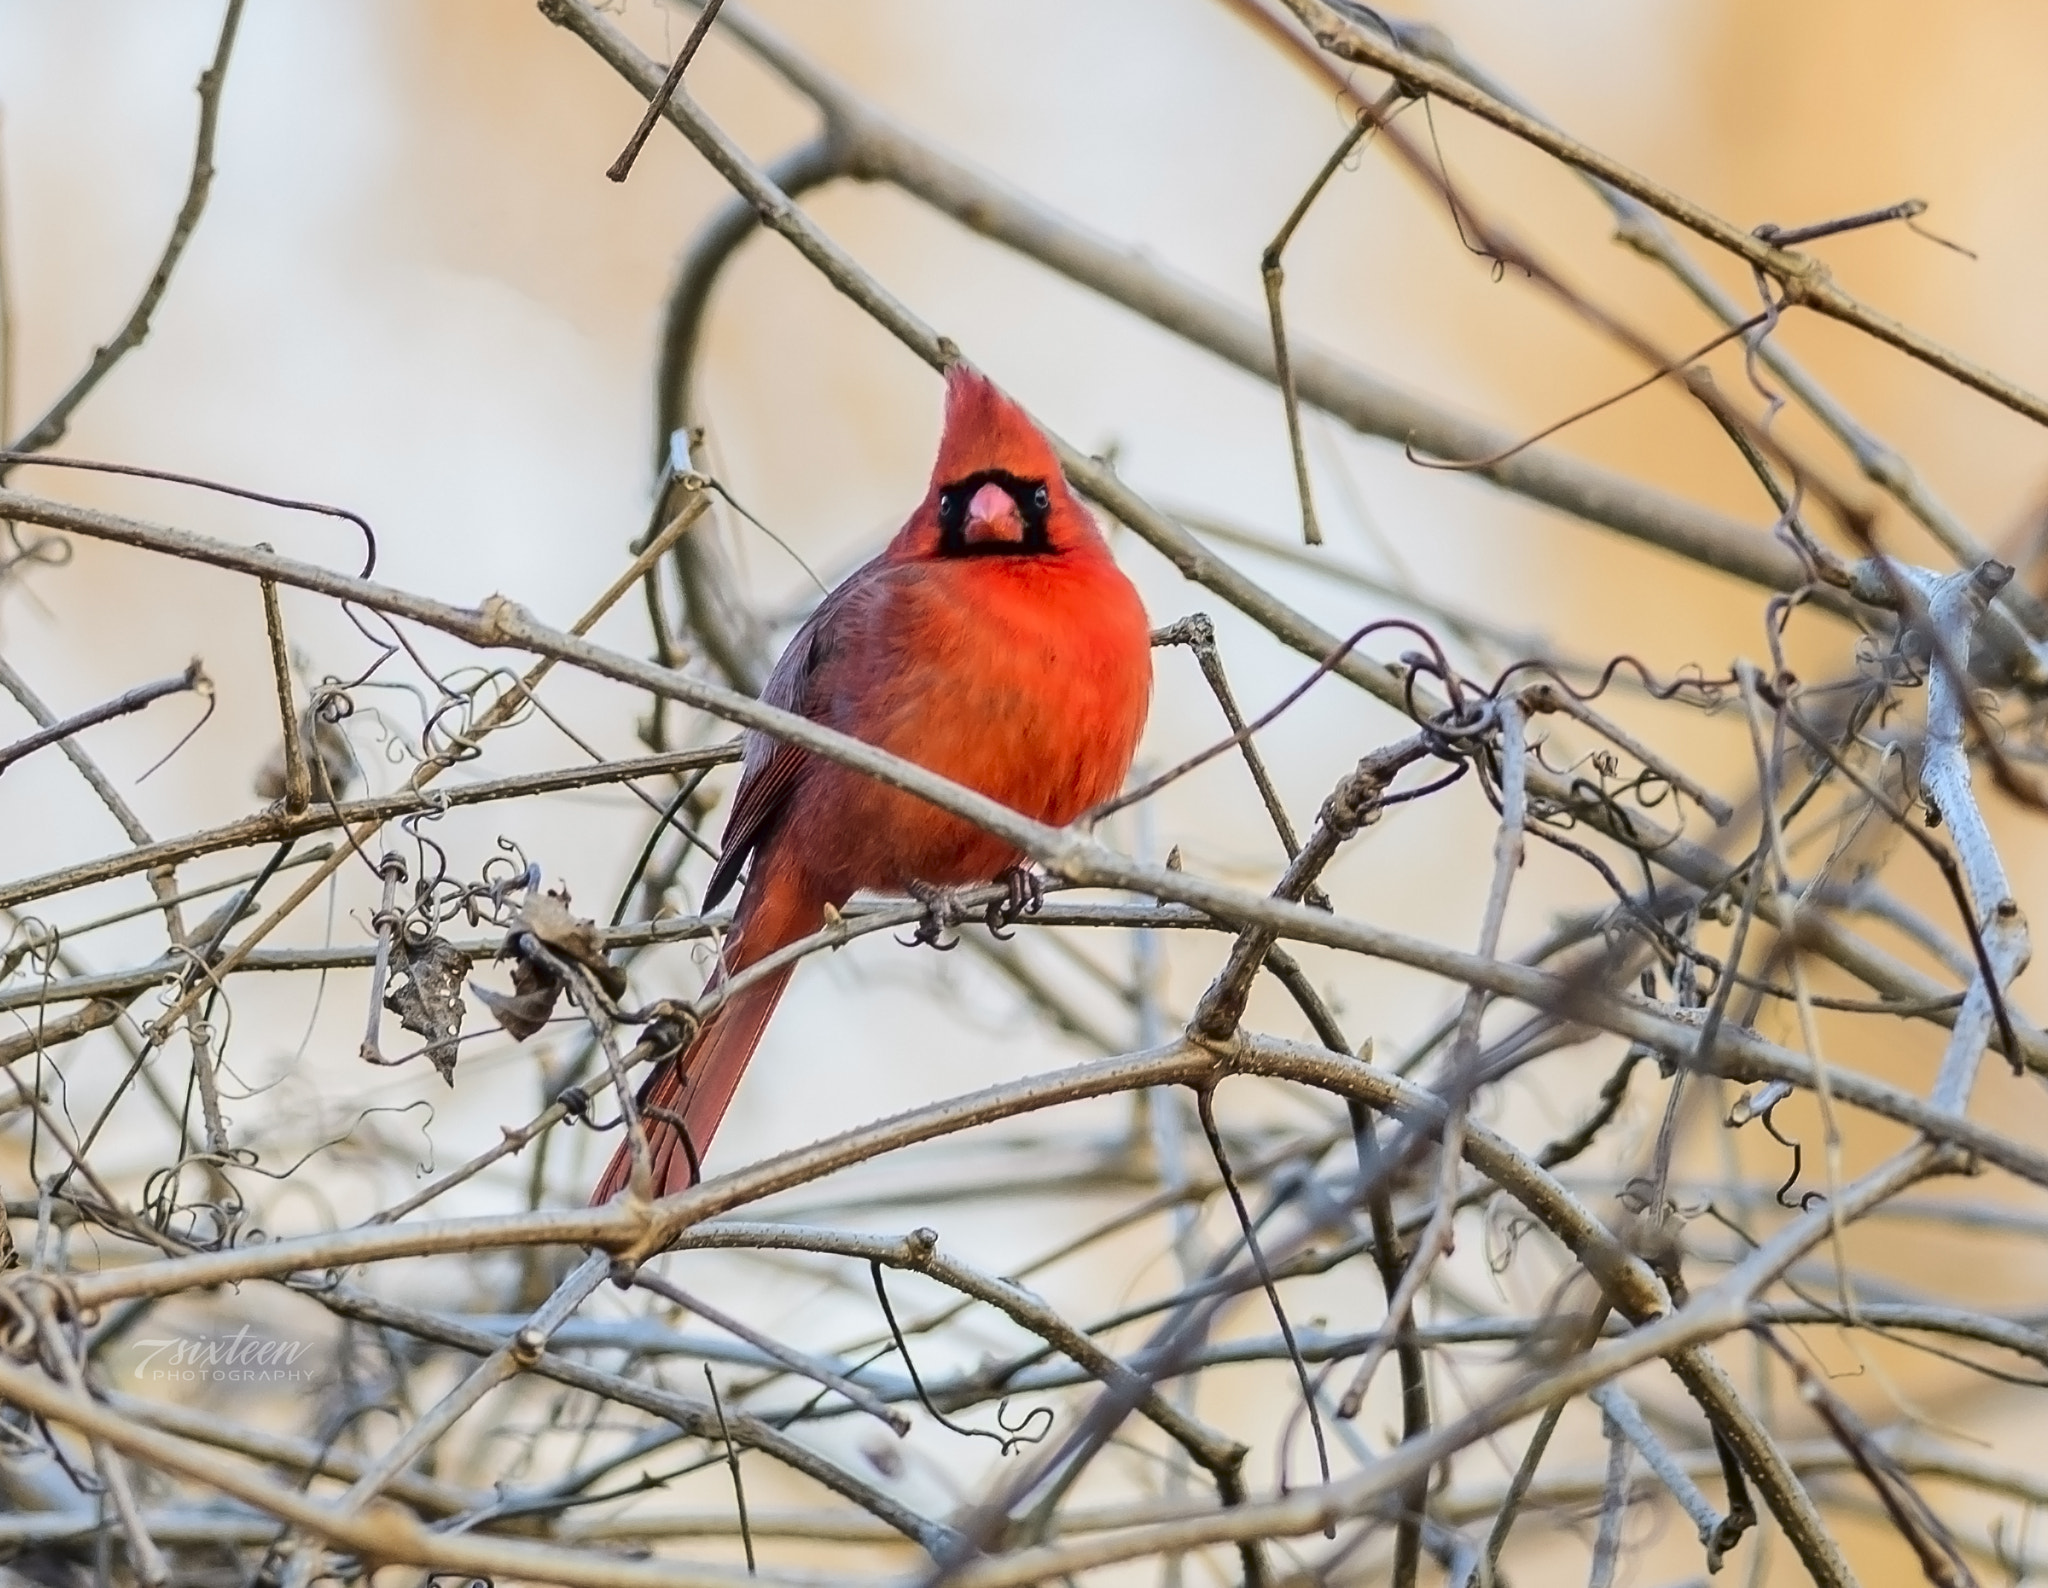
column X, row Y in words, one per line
column 50, row 429
column 298, row 777
column 622, row 167
column 1270, row 270
column 732, row 1455
column 193, row 678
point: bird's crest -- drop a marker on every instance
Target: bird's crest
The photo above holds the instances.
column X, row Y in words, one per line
column 984, row 430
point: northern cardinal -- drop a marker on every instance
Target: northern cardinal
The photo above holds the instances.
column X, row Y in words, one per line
column 994, row 641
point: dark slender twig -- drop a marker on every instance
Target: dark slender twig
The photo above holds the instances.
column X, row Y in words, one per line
column 204, row 689
column 1793, row 236
column 1205, row 1110
column 663, row 823
column 622, row 167
column 193, row 678
column 1198, row 633
column 1458, row 465
column 1323, row 668
column 298, row 777
column 56, row 419
column 795, row 1361
column 1918, row 1522
column 732, row 1461
column 22, row 458
column 1532, row 1455
column 1027, row 1431
column 1364, row 125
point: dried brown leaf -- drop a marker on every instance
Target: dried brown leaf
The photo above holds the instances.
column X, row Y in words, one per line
column 426, row 995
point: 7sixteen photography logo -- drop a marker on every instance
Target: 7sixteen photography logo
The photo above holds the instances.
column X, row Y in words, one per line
column 238, row 1358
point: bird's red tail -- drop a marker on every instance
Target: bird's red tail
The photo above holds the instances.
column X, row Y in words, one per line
column 683, row 1102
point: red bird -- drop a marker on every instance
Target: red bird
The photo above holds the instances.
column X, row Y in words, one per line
column 995, row 642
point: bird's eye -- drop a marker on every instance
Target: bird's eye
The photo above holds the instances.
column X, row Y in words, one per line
column 1041, row 498
column 949, row 506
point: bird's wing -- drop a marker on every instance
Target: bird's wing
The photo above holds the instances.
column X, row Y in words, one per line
column 802, row 683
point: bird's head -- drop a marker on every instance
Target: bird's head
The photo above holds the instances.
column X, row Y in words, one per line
column 997, row 489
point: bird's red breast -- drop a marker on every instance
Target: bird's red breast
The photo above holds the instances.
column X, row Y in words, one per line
column 994, row 641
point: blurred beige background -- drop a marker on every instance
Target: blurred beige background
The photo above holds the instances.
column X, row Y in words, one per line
column 414, row 293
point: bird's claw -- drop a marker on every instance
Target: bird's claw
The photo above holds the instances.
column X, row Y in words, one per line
column 1026, row 893
column 941, row 914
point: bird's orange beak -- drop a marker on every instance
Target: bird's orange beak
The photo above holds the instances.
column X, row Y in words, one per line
column 992, row 516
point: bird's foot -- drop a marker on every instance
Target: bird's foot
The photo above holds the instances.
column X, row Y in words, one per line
column 942, row 913
column 1026, row 894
